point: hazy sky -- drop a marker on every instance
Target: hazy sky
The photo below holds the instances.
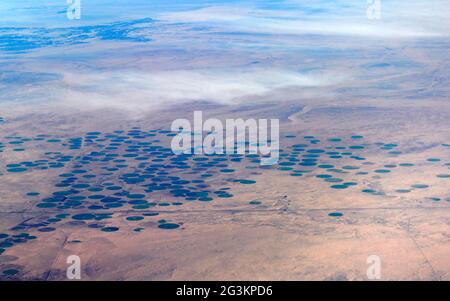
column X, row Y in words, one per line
column 156, row 52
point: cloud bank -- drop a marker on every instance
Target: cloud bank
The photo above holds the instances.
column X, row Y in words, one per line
column 142, row 91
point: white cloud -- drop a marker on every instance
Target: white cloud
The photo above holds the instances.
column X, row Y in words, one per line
column 208, row 14
column 400, row 19
column 144, row 91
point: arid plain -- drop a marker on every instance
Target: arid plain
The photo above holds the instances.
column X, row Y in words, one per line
column 86, row 167
column 286, row 234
